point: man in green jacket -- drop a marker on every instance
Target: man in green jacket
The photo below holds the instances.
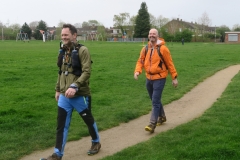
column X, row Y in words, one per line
column 73, row 92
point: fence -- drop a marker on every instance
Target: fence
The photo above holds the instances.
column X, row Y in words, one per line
column 127, row 39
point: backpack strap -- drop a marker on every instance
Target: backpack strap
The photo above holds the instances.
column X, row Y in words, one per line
column 161, row 56
column 146, row 50
column 159, row 53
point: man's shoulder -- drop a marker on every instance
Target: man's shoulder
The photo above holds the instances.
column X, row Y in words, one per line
column 83, row 49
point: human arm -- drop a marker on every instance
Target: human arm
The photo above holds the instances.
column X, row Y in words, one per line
column 136, row 74
column 139, row 64
column 85, row 60
column 175, row 82
column 170, row 65
column 57, row 94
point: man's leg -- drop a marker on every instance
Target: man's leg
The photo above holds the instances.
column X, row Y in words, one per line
column 83, row 106
column 63, row 123
column 157, row 109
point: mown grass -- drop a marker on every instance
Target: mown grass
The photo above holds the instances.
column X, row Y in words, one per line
column 28, row 107
column 213, row 136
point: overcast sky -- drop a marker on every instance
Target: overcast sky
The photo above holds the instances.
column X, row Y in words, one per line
column 221, row 12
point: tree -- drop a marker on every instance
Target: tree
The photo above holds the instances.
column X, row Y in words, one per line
column 121, row 21
column 26, row 29
column 221, row 30
column 33, row 25
column 166, row 35
column 236, row 27
column 1, row 24
column 153, row 20
column 41, row 26
column 132, row 22
column 60, row 24
column 204, row 21
column 15, row 27
column 143, row 25
column 93, row 23
column 161, row 21
column 187, row 35
column 90, row 23
column 85, row 24
column 101, row 31
column 78, row 25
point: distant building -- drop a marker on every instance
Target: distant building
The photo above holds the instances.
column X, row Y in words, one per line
column 179, row 25
column 232, row 37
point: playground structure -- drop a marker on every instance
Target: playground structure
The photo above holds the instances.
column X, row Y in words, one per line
column 22, row 36
column 47, row 35
column 91, row 36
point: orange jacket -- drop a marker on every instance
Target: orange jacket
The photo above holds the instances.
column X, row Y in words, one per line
column 150, row 62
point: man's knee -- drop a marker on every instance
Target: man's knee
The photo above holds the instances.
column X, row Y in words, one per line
column 87, row 116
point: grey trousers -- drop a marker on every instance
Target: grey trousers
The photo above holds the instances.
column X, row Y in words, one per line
column 155, row 88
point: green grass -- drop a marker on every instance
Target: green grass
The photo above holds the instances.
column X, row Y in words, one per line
column 213, row 136
column 28, row 107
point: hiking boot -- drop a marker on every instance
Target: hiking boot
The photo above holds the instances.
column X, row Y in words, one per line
column 161, row 120
column 52, row 157
column 150, row 128
column 94, row 148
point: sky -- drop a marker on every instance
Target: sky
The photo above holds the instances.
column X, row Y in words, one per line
column 220, row 12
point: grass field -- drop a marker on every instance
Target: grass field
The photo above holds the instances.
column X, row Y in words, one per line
column 28, row 107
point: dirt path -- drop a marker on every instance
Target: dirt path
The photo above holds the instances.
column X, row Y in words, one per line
column 190, row 106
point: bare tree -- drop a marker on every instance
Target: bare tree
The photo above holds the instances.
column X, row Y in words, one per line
column 236, row 27
column 132, row 20
column 205, row 21
column 161, row 21
column 78, row 25
column 93, row 22
column 60, row 24
column 33, row 25
column 15, row 27
column 121, row 20
column 1, row 24
column 153, row 21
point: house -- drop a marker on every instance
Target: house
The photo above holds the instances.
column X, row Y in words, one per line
column 232, row 37
column 178, row 25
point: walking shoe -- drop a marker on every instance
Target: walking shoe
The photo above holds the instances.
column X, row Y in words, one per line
column 52, row 157
column 150, row 128
column 161, row 120
column 94, row 148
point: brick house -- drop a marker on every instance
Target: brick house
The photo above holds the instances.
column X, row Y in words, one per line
column 178, row 25
column 232, row 37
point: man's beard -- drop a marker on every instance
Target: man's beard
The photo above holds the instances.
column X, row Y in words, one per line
column 152, row 39
column 68, row 42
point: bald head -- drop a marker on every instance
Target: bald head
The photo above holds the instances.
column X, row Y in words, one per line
column 153, row 30
column 153, row 36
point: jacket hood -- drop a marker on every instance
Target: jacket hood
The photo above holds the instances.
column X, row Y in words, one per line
column 160, row 41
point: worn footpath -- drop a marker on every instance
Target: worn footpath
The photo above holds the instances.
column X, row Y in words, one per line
column 190, row 106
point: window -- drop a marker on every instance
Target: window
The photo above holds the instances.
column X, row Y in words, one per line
column 233, row 37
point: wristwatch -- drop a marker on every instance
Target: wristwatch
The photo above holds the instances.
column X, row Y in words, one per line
column 74, row 87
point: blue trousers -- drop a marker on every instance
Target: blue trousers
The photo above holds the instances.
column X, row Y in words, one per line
column 155, row 88
column 66, row 106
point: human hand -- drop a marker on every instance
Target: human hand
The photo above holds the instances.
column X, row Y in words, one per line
column 175, row 83
column 70, row 92
column 136, row 74
column 57, row 94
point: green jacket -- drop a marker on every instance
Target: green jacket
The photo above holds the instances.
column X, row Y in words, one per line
column 82, row 82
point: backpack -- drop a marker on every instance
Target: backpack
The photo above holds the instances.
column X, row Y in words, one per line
column 160, row 55
column 76, row 62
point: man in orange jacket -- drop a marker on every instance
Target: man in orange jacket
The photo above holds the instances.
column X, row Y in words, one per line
column 156, row 68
